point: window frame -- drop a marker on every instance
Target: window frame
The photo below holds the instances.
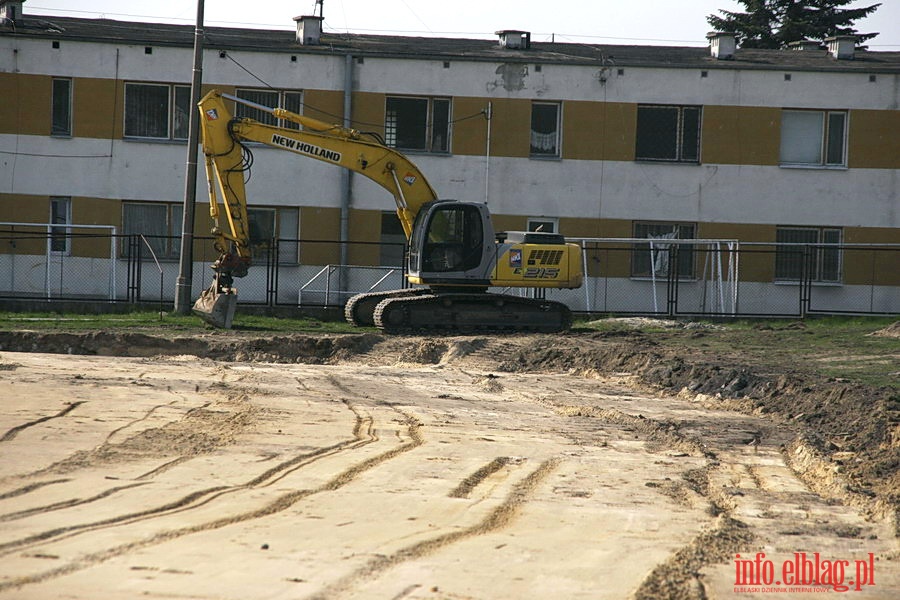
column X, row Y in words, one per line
column 640, row 253
column 172, row 127
column 641, row 133
column 429, row 145
column 534, row 151
column 391, row 236
column 170, row 240
column 821, row 250
column 60, row 231
column 259, row 246
column 534, row 222
column 825, row 140
column 56, row 104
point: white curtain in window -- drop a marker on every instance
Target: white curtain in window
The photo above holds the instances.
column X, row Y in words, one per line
column 801, row 137
column 545, row 142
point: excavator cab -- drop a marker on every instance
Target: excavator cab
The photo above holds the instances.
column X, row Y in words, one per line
column 451, row 244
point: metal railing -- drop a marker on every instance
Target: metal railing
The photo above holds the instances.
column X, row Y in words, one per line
column 690, row 278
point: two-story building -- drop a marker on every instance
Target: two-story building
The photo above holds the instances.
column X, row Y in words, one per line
column 762, row 148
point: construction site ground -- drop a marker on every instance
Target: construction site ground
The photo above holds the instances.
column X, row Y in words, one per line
column 231, row 465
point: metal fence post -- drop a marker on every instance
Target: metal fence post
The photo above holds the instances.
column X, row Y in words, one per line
column 672, row 282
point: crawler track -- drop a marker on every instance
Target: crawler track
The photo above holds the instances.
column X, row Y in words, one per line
column 463, row 313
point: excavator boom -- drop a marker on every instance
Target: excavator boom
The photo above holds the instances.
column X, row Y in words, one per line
column 223, row 136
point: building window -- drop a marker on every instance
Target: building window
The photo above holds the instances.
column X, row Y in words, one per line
column 545, row 118
column 157, row 111
column 417, row 124
column 808, row 253
column 292, row 101
column 60, row 216
column 61, row 110
column 668, row 133
column 393, row 240
column 814, row 138
column 652, row 259
column 543, row 224
column 274, row 225
column 159, row 222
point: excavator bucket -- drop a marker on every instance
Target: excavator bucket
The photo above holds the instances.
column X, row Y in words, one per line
column 217, row 307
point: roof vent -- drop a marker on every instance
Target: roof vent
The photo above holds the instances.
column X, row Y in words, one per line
column 841, row 47
column 309, row 29
column 722, row 44
column 806, row 45
column 515, row 39
column 11, row 9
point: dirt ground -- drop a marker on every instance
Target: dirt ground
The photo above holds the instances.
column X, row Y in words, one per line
column 591, row 465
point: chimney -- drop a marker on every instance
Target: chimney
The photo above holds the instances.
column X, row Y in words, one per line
column 841, row 47
column 514, row 39
column 805, row 45
column 309, row 29
column 722, row 44
column 11, row 9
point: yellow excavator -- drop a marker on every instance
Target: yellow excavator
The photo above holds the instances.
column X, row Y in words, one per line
column 454, row 255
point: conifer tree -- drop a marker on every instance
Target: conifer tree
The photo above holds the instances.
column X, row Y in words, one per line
column 776, row 23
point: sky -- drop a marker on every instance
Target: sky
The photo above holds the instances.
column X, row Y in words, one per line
column 654, row 22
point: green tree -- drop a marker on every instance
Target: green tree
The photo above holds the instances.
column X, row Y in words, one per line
column 776, row 23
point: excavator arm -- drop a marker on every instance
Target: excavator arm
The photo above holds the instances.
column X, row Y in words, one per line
column 227, row 160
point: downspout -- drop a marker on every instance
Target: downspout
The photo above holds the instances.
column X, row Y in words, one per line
column 346, row 177
column 488, row 114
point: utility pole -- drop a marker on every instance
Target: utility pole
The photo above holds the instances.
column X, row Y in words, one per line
column 186, row 257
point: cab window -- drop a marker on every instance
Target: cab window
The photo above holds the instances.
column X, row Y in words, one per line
column 454, row 239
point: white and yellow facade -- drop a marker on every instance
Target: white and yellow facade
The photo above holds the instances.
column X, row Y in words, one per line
column 735, row 184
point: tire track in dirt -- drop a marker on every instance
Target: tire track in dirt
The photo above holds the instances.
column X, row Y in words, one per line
column 678, row 577
column 201, row 497
column 21, row 514
column 464, row 489
column 166, row 466
column 662, row 433
column 498, row 518
column 27, row 489
column 163, row 468
column 281, row 503
column 146, row 416
column 12, row 433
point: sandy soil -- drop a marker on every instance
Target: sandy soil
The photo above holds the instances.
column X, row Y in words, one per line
column 371, row 467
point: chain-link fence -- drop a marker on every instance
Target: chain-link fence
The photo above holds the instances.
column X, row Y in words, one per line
column 714, row 278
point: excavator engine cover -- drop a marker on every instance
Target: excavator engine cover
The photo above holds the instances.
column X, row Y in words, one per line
column 217, row 307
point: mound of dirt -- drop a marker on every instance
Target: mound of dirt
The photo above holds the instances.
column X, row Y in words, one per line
column 312, row 349
column 892, row 330
column 856, row 428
